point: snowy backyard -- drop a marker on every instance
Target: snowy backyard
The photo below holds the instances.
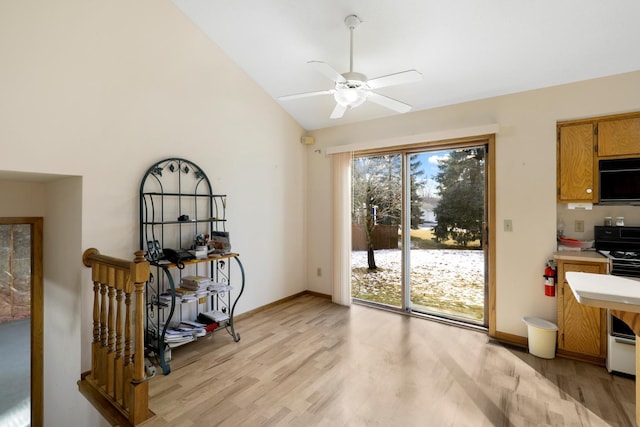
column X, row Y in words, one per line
column 447, row 281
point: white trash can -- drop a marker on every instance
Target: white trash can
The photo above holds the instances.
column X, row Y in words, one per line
column 542, row 337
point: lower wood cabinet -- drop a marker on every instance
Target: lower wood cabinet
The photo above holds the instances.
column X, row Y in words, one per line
column 582, row 330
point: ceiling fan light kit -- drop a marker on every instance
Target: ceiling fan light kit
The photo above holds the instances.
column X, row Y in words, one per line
column 352, row 89
column 350, row 98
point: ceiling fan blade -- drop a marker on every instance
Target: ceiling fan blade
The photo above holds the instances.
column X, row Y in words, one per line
column 306, row 94
column 338, row 112
column 389, row 103
column 327, row 70
column 402, row 77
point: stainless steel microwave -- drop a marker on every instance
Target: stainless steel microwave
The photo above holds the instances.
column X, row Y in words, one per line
column 620, row 181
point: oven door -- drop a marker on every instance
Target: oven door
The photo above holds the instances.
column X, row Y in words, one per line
column 621, row 351
column 619, row 329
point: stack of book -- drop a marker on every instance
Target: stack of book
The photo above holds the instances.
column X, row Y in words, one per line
column 185, row 295
column 184, row 332
column 165, row 298
column 219, row 287
column 175, row 338
column 195, row 328
column 196, row 283
column 214, row 315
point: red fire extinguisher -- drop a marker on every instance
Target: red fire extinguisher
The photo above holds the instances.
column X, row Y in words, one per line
column 550, row 280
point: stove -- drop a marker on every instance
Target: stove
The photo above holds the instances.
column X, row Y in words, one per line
column 623, row 255
column 622, row 246
column 623, row 263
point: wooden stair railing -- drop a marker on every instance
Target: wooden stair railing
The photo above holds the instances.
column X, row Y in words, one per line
column 116, row 384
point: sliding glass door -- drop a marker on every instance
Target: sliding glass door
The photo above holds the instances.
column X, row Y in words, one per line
column 376, row 258
column 447, row 258
column 419, row 221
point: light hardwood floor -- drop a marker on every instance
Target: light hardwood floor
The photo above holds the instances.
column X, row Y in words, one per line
column 308, row 362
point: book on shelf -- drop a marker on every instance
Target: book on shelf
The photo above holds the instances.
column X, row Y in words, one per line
column 215, row 315
column 164, row 297
column 185, row 295
column 192, row 324
column 195, row 332
column 190, row 282
column 183, row 291
column 210, row 327
column 219, row 242
column 211, row 324
column 194, row 288
column 184, row 331
column 219, row 287
column 202, row 293
column 178, row 343
column 177, row 337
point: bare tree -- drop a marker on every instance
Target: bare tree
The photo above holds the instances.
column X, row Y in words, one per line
column 377, row 195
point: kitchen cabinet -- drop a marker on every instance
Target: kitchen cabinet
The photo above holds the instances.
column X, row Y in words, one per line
column 619, row 136
column 582, row 330
column 576, row 163
column 582, row 143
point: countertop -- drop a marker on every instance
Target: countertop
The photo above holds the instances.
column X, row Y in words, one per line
column 605, row 291
column 591, row 256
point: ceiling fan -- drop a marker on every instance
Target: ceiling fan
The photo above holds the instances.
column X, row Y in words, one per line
column 353, row 89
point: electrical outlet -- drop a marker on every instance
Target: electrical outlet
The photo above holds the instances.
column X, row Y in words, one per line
column 319, row 272
column 508, row 225
column 578, row 226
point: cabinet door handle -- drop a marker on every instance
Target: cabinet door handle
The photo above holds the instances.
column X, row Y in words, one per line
column 589, row 191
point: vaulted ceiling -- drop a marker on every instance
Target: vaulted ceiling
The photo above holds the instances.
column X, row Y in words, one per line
column 464, row 49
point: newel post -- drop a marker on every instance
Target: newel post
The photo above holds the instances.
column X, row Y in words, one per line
column 139, row 388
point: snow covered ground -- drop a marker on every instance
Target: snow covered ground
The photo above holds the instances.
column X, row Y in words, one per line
column 448, row 281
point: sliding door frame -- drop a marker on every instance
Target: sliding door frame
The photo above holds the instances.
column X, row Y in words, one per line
column 489, row 230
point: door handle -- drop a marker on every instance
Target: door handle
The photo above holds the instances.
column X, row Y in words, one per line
column 625, row 341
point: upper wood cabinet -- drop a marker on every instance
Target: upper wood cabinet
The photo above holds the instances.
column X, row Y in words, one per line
column 575, row 166
column 582, row 143
column 619, row 137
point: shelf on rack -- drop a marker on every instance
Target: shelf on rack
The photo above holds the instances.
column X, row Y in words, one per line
column 212, row 257
column 191, row 221
column 155, row 193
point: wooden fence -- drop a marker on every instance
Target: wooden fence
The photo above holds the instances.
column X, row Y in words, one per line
column 383, row 237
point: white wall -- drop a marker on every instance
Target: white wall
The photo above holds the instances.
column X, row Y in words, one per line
column 22, row 199
column 102, row 90
column 595, row 216
column 525, row 179
column 63, row 308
